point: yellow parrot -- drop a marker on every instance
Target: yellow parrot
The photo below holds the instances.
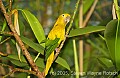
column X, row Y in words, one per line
column 58, row 31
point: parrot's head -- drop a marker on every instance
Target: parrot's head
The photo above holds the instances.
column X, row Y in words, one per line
column 65, row 18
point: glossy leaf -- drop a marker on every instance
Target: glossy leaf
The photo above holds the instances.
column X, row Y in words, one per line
column 62, row 62
column 117, row 46
column 35, row 25
column 112, row 36
column 105, row 61
column 14, row 59
column 22, row 27
column 86, row 30
column 50, row 50
column 18, row 63
column 33, row 45
column 51, row 42
column 21, row 75
column 3, row 28
column 51, row 45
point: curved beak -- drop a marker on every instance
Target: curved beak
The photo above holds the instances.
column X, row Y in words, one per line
column 67, row 19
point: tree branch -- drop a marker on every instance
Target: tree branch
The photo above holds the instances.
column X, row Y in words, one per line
column 89, row 13
column 16, row 70
column 6, row 33
column 19, row 41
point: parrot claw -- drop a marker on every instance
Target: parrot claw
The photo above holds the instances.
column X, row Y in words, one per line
column 57, row 49
column 66, row 35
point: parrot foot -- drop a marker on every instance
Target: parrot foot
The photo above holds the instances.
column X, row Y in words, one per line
column 57, row 50
column 66, row 35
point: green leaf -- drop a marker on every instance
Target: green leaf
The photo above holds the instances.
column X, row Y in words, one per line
column 33, row 45
column 14, row 59
column 51, row 42
column 86, row 5
column 86, row 30
column 22, row 27
column 112, row 36
column 101, row 49
column 18, row 63
column 105, row 62
column 50, row 47
column 62, row 62
column 49, row 50
column 21, row 75
column 3, row 28
column 117, row 46
column 35, row 26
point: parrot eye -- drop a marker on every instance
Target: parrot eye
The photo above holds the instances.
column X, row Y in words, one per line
column 63, row 15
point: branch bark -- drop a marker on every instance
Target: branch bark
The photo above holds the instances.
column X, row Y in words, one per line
column 89, row 13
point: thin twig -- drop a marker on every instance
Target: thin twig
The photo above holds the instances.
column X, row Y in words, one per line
column 16, row 70
column 6, row 33
column 97, row 15
column 71, row 22
column 90, row 13
column 19, row 41
column 10, row 5
column 2, row 54
column 5, row 40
